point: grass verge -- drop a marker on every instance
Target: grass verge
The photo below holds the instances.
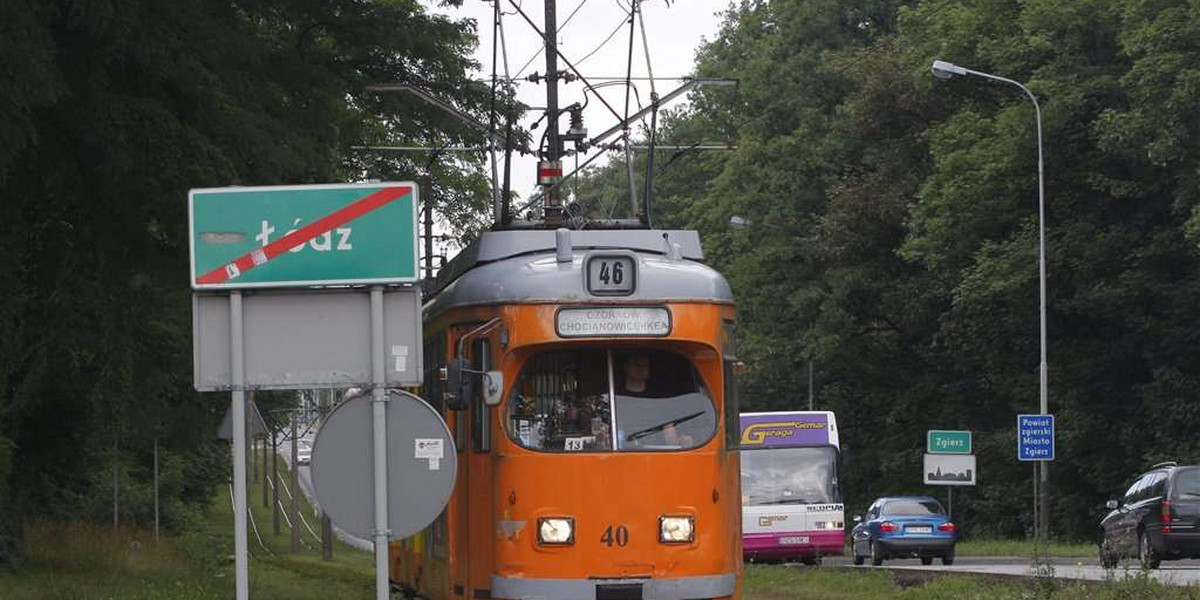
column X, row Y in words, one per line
column 786, row 583
column 345, row 556
column 85, row 562
column 1022, row 548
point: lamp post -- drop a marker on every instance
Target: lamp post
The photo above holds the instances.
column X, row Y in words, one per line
column 944, row 70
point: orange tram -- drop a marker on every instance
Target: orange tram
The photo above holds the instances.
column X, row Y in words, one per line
column 595, row 419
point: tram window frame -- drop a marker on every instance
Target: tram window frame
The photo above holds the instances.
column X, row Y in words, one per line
column 555, row 385
column 729, row 386
column 434, row 388
column 435, row 359
column 481, row 415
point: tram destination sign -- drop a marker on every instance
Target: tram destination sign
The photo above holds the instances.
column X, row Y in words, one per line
column 296, row 236
column 640, row 321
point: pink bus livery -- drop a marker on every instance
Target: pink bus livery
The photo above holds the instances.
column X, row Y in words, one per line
column 791, row 498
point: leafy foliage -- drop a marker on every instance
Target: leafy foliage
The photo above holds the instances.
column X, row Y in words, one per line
column 109, row 113
column 894, row 231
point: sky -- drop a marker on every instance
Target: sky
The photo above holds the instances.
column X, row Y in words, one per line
column 674, row 32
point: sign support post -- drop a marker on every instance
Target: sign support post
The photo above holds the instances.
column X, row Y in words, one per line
column 237, row 370
column 379, row 428
column 304, row 237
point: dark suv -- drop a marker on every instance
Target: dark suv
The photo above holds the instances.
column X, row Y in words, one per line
column 1157, row 519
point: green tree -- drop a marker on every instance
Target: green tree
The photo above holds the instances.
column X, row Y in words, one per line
column 893, row 232
column 109, row 113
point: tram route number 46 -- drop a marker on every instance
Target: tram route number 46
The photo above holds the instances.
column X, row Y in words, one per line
column 615, row 534
column 611, row 275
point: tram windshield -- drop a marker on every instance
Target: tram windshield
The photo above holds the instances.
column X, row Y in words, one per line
column 803, row 475
column 566, row 400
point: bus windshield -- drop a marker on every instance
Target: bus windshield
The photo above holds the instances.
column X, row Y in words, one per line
column 807, row 475
column 565, row 401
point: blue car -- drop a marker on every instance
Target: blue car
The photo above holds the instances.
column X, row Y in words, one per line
column 904, row 527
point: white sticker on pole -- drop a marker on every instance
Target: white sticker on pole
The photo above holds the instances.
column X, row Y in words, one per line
column 400, row 354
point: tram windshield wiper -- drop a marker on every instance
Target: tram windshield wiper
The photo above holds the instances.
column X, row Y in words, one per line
column 661, row 426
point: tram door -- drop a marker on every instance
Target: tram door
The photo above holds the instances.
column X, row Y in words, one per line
column 460, row 558
column 474, row 437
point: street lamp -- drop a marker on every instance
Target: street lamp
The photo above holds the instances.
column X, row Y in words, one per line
column 740, row 222
column 944, row 70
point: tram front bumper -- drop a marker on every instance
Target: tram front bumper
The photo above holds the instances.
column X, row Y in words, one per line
column 641, row 588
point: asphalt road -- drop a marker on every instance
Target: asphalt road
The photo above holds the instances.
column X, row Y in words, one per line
column 1180, row 572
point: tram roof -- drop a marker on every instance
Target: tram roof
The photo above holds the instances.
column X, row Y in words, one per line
column 520, row 266
column 498, row 245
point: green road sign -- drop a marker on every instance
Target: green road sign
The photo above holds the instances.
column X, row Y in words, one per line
column 948, row 442
column 288, row 236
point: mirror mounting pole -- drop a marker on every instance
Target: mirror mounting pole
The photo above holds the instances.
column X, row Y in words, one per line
column 486, row 327
column 455, row 395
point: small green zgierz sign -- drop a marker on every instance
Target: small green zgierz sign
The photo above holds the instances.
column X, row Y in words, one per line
column 292, row 236
column 948, row 442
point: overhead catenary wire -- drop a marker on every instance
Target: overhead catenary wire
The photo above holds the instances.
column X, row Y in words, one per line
column 625, row 131
column 649, row 183
column 498, row 33
column 558, row 52
column 592, row 86
column 607, row 77
column 470, row 149
column 498, row 211
column 604, row 43
column 637, row 97
column 539, row 52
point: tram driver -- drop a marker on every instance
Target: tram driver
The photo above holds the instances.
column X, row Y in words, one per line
column 637, row 383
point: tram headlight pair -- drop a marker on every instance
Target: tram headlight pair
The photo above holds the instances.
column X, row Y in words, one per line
column 559, row 531
column 676, row 530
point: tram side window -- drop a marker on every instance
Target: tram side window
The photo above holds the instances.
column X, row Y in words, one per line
column 731, row 408
column 733, row 438
column 565, row 400
column 481, row 422
column 435, row 358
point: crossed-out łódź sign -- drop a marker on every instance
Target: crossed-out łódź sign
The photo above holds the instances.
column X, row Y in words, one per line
column 303, row 235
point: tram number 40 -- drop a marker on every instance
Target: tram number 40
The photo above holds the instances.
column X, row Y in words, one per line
column 618, row 534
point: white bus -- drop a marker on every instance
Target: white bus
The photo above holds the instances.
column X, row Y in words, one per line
column 791, row 497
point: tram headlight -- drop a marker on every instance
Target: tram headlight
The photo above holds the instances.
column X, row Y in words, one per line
column 556, row 530
column 676, row 530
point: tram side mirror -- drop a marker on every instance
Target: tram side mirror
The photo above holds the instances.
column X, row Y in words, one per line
column 1111, row 505
column 455, row 394
column 493, row 387
column 858, row 518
